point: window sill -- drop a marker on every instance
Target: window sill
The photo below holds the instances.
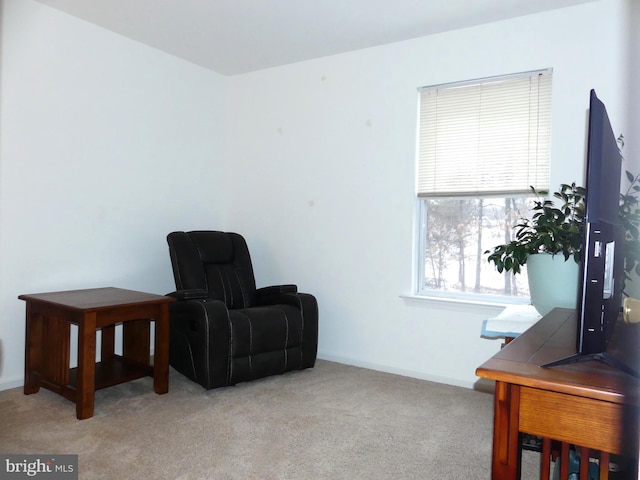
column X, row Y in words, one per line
column 483, row 306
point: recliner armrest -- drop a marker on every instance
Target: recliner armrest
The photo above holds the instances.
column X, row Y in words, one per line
column 196, row 294
column 276, row 289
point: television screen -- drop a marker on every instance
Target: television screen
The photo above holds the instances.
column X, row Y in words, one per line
column 602, row 269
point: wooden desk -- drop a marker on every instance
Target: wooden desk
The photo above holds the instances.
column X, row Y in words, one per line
column 587, row 404
column 48, row 323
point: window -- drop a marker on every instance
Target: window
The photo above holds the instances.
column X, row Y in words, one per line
column 481, row 146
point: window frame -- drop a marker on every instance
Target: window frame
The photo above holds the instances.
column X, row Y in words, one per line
column 420, row 289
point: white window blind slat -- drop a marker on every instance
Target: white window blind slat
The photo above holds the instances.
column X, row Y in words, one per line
column 491, row 138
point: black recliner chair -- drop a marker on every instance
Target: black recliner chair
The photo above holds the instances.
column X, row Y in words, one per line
column 222, row 329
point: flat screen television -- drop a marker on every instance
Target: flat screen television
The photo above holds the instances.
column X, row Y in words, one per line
column 602, row 269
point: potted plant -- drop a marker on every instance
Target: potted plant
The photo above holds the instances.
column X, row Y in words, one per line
column 550, row 243
column 557, row 231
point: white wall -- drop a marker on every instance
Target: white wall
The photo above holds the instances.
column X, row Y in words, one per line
column 631, row 62
column 325, row 150
column 632, row 131
column 106, row 146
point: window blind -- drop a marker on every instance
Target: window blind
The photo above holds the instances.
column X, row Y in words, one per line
column 486, row 138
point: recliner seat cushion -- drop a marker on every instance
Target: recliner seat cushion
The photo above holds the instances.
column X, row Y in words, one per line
column 264, row 341
column 264, row 329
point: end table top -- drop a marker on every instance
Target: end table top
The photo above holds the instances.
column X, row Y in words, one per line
column 95, row 298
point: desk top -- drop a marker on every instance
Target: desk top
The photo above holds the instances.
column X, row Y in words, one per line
column 553, row 338
column 95, row 298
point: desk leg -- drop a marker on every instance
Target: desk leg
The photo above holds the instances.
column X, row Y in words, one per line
column 161, row 351
column 86, row 366
column 507, row 453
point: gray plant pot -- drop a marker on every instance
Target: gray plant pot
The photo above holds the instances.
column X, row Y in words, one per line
column 553, row 282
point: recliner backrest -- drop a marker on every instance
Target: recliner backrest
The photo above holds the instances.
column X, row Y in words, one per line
column 218, row 262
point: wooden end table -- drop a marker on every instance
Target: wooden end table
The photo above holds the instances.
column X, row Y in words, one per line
column 48, row 323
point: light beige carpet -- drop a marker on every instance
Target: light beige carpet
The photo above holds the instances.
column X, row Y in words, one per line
column 330, row 422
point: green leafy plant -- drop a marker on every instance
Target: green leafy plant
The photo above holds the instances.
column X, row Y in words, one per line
column 551, row 229
column 560, row 229
column 630, row 218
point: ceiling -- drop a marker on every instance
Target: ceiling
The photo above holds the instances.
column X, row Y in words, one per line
column 238, row 36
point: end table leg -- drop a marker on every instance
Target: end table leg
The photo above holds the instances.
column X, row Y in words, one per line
column 136, row 335
column 86, row 366
column 107, row 345
column 161, row 351
column 32, row 351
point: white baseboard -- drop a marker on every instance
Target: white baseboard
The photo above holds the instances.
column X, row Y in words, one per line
column 398, row 371
column 9, row 383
